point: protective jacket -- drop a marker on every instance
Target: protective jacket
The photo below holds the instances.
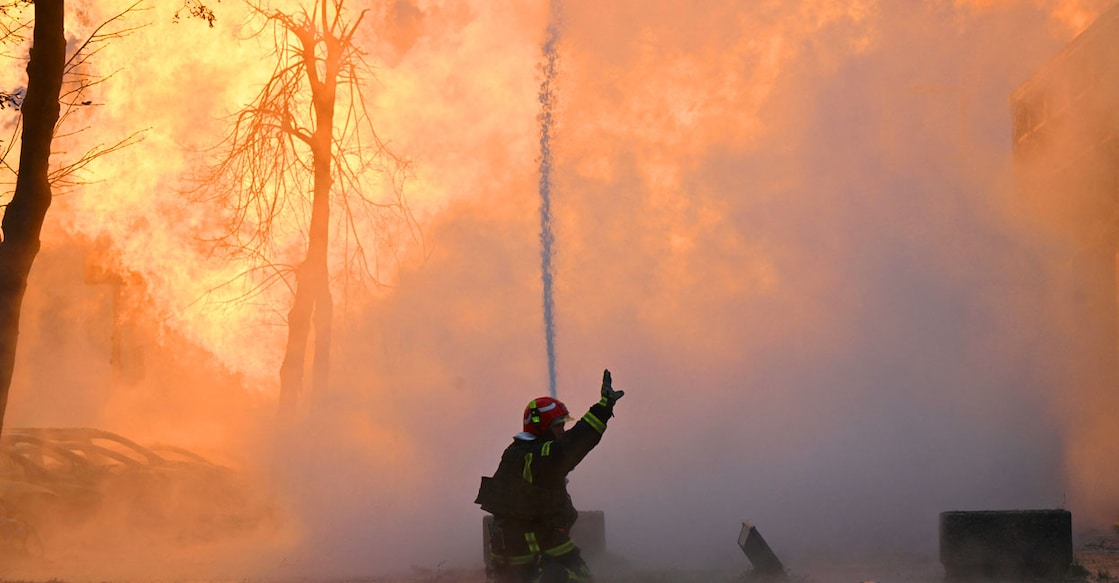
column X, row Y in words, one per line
column 530, row 484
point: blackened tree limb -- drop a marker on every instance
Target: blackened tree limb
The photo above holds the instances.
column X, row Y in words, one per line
column 23, row 219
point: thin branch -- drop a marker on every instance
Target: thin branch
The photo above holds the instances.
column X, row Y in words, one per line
column 196, row 9
column 97, row 36
column 63, row 177
column 261, row 171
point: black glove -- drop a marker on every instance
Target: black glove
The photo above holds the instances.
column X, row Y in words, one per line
column 609, row 395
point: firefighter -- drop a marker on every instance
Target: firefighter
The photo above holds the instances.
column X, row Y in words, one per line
column 527, row 495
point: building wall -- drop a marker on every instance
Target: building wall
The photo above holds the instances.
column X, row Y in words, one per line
column 1065, row 135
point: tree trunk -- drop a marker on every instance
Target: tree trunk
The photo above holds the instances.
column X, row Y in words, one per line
column 313, row 304
column 23, row 219
column 319, row 232
column 295, row 353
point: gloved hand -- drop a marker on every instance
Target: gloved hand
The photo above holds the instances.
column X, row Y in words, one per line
column 609, row 395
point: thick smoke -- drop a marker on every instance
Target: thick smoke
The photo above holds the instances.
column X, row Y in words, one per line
column 789, row 229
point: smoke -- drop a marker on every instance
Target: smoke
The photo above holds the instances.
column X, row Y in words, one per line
column 547, row 239
column 1065, row 176
column 789, row 230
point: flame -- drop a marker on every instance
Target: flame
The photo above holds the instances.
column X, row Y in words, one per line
column 1069, row 17
column 1075, row 15
column 759, row 223
column 183, row 102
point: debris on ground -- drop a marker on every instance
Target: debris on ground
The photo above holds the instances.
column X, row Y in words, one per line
column 54, row 481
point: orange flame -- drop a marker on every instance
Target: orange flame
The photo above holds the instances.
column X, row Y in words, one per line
column 759, row 225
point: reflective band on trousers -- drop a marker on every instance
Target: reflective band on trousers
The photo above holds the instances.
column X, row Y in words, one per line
column 547, row 449
column 517, row 560
column 561, row 549
column 594, row 422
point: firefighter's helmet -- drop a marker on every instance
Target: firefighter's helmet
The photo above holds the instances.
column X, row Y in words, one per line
column 542, row 412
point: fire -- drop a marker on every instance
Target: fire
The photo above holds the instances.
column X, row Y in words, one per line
column 758, row 224
column 1069, row 17
column 1075, row 15
column 182, row 98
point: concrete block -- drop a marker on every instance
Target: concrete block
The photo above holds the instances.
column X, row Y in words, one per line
column 1006, row 544
column 589, row 533
column 763, row 559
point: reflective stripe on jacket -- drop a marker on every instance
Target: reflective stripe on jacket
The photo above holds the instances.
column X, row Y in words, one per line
column 530, row 483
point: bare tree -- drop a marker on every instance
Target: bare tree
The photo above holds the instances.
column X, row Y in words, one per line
column 23, row 218
column 306, row 147
column 57, row 87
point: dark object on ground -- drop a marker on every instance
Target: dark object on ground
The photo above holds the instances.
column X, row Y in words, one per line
column 589, row 534
column 1006, row 544
column 765, row 562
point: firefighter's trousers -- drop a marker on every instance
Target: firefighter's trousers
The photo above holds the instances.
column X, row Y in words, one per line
column 522, row 553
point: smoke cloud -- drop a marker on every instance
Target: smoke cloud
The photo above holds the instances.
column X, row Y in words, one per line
column 789, row 229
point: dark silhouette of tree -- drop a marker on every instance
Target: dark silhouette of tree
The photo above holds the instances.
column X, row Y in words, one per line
column 23, row 218
column 304, row 149
column 57, row 87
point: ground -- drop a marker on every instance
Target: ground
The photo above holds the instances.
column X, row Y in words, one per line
column 1096, row 561
column 1098, row 554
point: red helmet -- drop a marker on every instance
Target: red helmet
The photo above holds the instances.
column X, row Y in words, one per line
column 541, row 412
